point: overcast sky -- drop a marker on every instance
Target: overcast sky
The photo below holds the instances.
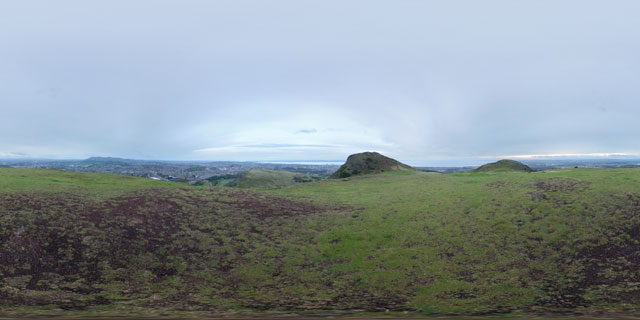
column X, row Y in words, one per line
column 302, row 79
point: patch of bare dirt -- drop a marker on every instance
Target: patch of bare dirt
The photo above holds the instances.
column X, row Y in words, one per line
column 501, row 184
column 268, row 207
column 561, row 185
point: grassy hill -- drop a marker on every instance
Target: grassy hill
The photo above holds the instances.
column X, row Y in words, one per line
column 488, row 242
column 222, row 180
column 368, row 163
column 79, row 240
column 263, row 178
column 14, row 180
column 504, row 166
column 467, row 243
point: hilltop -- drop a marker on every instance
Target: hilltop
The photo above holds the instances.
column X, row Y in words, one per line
column 263, row 178
column 504, row 166
column 458, row 243
column 368, row 163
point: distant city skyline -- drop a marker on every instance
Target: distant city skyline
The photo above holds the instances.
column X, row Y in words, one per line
column 457, row 82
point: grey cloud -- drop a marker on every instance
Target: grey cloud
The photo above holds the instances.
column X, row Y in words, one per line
column 307, row 131
column 427, row 79
column 277, row 145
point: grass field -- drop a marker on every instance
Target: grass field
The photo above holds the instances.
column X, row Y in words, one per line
column 470, row 243
column 486, row 241
column 262, row 178
column 96, row 184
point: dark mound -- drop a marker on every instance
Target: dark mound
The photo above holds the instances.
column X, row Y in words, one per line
column 67, row 250
column 504, row 166
column 367, row 163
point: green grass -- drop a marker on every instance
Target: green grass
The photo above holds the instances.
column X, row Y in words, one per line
column 50, row 180
column 262, row 178
column 465, row 243
column 489, row 241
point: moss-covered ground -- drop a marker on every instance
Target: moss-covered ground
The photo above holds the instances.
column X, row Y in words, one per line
column 427, row 243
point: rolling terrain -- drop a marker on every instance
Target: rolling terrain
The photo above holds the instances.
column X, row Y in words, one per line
column 401, row 240
column 262, row 178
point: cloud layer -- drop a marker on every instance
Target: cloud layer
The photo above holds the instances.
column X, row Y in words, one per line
column 277, row 80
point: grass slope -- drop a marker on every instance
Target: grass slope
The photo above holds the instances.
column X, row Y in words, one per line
column 75, row 240
column 486, row 242
column 263, row 178
column 96, row 184
column 464, row 243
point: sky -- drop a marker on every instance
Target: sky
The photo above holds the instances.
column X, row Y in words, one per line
column 441, row 81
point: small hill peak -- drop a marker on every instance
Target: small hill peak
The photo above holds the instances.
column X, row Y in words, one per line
column 504, row 166
column 367, row 163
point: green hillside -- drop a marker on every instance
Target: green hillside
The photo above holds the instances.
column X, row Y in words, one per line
column 14, row 180
column 504, row 166
column 468, row 243
column 263, row 178
column 481, row 242
column 76, row 241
